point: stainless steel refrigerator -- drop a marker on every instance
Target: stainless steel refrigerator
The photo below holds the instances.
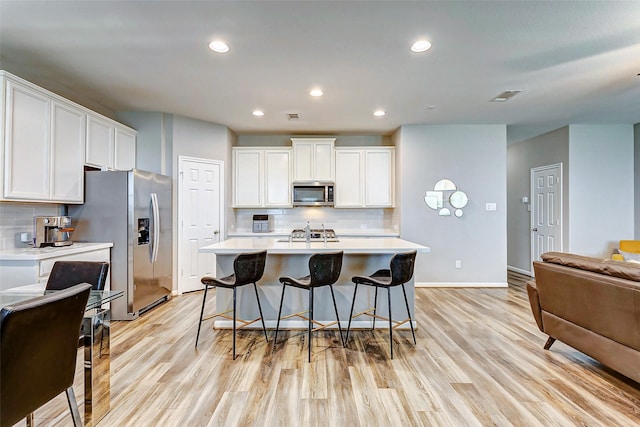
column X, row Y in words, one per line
column 132, row 209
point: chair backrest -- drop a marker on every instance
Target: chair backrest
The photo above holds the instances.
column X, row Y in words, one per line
column 65, row 274
column 324, row 268
column 38, row 348
column 249, row 267
column 402, row 267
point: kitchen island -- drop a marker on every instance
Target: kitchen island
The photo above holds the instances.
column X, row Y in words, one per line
column 362, row 256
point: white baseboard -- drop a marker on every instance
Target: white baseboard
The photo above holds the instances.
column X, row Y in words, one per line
column 461, row 285
column 519, row 270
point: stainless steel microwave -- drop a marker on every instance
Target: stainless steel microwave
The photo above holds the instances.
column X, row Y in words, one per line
column 313, row 193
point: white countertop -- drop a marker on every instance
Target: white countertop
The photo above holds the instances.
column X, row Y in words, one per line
column 32, row 254
column 349, row 246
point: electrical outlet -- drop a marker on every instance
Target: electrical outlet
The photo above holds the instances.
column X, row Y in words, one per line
column 25, row 237
column 458, row 263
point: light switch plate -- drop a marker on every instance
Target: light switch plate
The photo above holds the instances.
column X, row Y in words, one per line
column 490, row 207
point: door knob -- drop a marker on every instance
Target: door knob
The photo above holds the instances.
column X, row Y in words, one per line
column 216, row 231
column 535, row 229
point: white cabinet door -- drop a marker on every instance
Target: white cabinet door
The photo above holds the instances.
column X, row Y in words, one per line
column 100, row 142
column 67, row 144
column 302, row 161
column 27, row 144
column 247, row 178
column 125, row 149
column 365, row 177
column 349, row 178
column 323, row 161
column 277, row 178
column 313, row 159
column 379, row 177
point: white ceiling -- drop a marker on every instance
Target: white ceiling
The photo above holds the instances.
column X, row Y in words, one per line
column 575, row 61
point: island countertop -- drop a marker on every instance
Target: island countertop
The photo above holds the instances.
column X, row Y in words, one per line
column 384, row 245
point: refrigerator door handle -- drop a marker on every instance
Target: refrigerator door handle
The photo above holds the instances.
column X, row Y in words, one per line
column 155, row 232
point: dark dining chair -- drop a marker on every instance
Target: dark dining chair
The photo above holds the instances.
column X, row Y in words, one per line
column 68, row 273
column 38, row 349
column 399, row 273
column 324, row 270
column 248, row 268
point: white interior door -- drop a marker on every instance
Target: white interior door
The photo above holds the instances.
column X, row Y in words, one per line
column 200, row 216
column 546, row 210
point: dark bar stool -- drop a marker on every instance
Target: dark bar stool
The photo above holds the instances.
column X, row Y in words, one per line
column 247, row 269
column 324, row 270
column 401, row 272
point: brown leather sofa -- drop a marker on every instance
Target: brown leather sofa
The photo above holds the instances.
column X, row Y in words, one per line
column 591, row 304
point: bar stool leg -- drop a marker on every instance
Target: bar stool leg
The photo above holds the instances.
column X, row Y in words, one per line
column 234, row 323
column 353, row 303
column 406, row 301
column 375, row 308
column 275, row 339
column 204, row 299
column 390, row 321
column 310, row 321
column 335, row 306
column 264, row 328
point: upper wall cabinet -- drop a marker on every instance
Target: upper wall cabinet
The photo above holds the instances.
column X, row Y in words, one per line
column 313, row 159
column 110, row 145
column 261, row 177
column 365, row 177
column 42, row 145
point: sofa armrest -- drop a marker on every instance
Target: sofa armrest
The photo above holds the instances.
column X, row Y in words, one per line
column 534, row 300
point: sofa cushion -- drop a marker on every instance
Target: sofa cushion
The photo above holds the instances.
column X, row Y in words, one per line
column 621, row 269
column 629, row 256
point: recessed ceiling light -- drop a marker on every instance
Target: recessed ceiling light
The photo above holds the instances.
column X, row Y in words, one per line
column 421, row 46
column 258, row 113
column 379, row 113
column 316, row 92
column 219, row 46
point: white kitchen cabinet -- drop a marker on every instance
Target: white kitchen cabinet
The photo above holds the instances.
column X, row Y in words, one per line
column 261, row 177
column 23, row 269
column 365, row 177
column 100, row 142
column 277, row 184
column 313, row 159
column 68, row 143
column 110, row 145
column 125, row 149
column 42, row 145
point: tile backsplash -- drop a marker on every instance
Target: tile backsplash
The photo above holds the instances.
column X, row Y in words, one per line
column 285, row 220
column 16, row 218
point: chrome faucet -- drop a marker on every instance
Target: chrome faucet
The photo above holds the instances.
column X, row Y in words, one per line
column 307, row 233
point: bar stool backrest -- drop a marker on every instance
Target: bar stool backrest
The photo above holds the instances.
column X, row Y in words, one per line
column 324, row 268
column 65, row 274
column 39, row 345
column 402, row 267
column 249, row 268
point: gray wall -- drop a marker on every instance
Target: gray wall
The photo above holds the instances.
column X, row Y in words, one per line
column 473, row 157
column 547, row 149
column 154, row 140
column 601, row 198
column 636, row 151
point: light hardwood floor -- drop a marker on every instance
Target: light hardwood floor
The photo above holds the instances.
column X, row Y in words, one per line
column 478, row 362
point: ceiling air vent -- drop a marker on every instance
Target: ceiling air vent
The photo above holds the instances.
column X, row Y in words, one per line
column 293, row 116
column 505, row 96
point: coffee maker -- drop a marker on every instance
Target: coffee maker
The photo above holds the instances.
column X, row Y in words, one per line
column 52, row 231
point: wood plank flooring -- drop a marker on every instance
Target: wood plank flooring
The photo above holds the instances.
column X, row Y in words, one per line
column 478, row 362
